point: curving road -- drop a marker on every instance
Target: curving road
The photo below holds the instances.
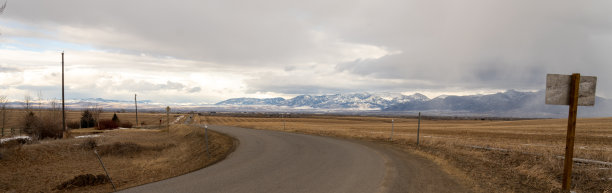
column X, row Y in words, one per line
column 272, row 161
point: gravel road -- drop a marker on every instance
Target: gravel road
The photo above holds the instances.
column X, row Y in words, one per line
column 272, row 161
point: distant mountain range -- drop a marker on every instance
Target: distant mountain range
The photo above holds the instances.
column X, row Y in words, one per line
column 510, row 103
column 505, row 104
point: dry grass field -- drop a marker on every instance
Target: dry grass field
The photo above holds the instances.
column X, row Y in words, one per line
column 14, row 118
column 490, row 156
column 131, row 156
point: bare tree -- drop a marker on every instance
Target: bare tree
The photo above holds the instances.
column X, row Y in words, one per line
column 30, row 120
column 96, row 111
column 40, row 101
column 27, row 103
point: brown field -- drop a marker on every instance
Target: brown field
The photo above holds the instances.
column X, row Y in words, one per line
column 518, row 156
column 15, row 116
column 131, row 156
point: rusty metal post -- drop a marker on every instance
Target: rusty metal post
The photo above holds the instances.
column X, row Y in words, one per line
column 418, row 128
column 108, row 176
column 391, row 137
column 571, row 132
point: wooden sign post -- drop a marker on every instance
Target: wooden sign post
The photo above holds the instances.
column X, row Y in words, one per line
column 573, row 91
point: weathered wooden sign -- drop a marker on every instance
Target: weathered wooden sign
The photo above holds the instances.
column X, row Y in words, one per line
column 558, row 90
column 572, row 90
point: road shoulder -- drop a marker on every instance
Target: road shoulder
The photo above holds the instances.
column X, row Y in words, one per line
column 408, row 171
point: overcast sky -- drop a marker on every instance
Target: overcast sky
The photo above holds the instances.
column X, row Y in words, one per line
column 207, row 51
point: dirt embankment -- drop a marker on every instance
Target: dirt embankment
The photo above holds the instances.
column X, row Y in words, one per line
column 132, row 157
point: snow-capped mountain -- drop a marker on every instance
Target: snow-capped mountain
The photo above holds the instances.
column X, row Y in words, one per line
column 510, row 103
column 362, row 101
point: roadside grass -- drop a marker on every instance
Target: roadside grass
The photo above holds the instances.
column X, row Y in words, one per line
column 131, row 156
column 496, row 156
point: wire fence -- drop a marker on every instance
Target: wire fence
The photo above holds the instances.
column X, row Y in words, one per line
column 11, row 132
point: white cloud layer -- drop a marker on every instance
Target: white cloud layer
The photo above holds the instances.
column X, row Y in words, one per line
column 206, row 51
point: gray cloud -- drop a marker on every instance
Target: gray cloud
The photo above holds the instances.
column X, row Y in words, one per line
column 195, row 90
column 478, row 44
column 9, row 69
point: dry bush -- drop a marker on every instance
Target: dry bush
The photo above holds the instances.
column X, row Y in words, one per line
column 126, row 125
column 15, row 143
column 73, row 125
column 89, row 144
column 120, row 149
column 29, row 123
column 107, row 124
column 44, row 124
column 49, row 126
column 83, row 180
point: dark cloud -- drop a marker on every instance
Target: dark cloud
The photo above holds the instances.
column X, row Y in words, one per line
column 476, row 44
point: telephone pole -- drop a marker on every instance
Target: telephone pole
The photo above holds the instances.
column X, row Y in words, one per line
column 63, row 102
column 136, row 104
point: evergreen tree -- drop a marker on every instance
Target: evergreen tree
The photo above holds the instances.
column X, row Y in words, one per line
column 115, row 118
column 87, row 119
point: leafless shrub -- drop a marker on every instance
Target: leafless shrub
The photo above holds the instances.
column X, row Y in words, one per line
column 126, row 125
column 73, row 125
column 96, row 111
column 15, row 143
column 83, row 180
column 120, row 149
column 107, row 124
column 46, row 125
column 89, row 144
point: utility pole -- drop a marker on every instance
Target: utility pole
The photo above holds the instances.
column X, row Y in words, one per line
column 63, row 101
column 136, row 104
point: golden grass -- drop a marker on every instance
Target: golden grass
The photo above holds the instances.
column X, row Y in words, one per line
column 529, row 165
column 15, row 116
column 42, row 166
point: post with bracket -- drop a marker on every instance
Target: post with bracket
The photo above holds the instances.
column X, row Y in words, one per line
column 574, row 91
column 418, row 129
column 206, row 140
column 392, row 124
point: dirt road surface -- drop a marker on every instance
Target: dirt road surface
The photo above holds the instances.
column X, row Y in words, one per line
column 272, row 161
